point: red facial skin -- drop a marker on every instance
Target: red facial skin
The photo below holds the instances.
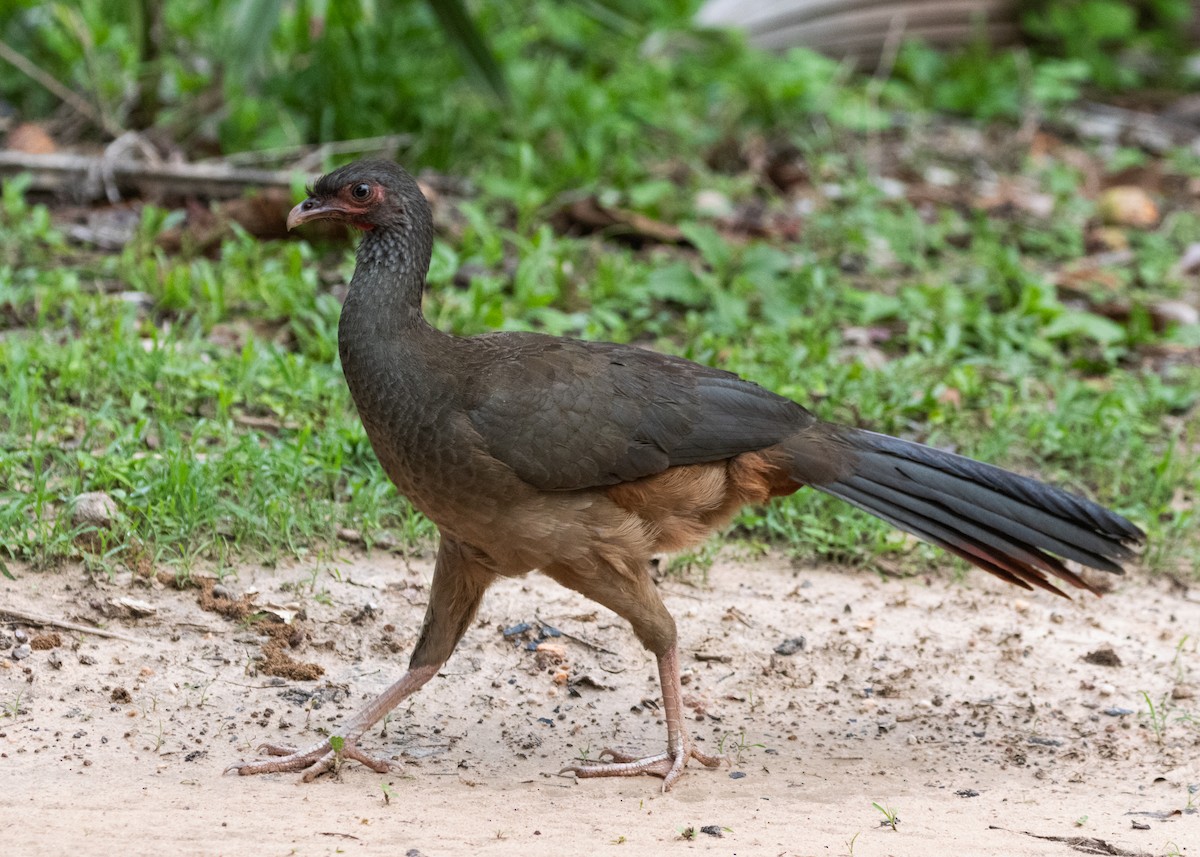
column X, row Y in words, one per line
column 345, row 206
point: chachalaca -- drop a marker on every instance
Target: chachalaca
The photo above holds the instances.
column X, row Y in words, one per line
column 583, row 459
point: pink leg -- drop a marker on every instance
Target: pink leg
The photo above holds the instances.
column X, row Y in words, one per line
column 670, row 764
column 460, row 578
column 321, row 757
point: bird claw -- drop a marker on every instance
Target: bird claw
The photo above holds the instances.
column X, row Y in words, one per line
column 668, row 765
column 317, row 760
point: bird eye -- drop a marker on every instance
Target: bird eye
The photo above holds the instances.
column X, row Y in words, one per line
column 361, row 191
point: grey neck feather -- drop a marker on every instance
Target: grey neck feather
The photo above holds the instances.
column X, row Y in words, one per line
column 388, row 282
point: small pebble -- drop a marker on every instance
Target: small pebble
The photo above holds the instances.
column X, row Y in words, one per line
column 21, row 652
column 95, row 508
column 736, row 775
column 1118, row 712
column 1104, row 656
column 1045, row 742
column 1106, row 689
column 791, row 646
column 22, row 635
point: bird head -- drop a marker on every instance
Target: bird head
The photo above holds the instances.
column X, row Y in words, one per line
column 366, row 194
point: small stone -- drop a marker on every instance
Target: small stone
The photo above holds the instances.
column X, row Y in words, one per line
column 95, row 509
column 1045, row 742
column 220, row 590
column 21, row 652
column 120, row 695
column 790, row 646
column 1106, row 689
column 87, row 660
column 736, row 775
column 384, row 541
column 22, row 635
column 1103, row 657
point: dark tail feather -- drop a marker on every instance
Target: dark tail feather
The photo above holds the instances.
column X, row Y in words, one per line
column 1011, row 526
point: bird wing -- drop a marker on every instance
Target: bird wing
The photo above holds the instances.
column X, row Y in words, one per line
column 567, row 414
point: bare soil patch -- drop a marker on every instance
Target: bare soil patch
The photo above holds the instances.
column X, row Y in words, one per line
column 982, row 716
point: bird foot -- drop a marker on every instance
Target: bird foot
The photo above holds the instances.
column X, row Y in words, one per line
column 668, row 765
column 317, row 760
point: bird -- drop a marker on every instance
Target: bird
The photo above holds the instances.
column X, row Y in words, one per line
column 583, row 460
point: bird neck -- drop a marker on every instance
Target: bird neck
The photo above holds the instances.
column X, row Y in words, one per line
column 389, row 281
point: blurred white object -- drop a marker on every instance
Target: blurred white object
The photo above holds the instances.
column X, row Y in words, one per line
column 861, row 29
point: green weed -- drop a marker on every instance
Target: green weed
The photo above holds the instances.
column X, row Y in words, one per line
column 890, row 817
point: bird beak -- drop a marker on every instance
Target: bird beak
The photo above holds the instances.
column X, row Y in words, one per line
column 313, row 209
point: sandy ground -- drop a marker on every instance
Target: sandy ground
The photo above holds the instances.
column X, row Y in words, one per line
column 970, row 709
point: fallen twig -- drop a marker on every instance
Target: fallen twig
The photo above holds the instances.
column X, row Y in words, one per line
column 64, row 172
column 588, row 643
column 63, row 625
column 1083, row 844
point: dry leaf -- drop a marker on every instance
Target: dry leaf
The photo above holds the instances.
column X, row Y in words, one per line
column 1128, row 205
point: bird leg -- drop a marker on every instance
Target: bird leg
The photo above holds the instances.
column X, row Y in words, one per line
column 460, row 577
column 670, row 764
column 322, row 757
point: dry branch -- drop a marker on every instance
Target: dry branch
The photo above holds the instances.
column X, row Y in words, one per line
column 85, row 176
column 62, row 625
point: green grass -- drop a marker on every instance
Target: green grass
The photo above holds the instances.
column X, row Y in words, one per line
column 214, row 411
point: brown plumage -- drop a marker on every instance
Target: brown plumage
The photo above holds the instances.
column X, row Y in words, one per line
column 583, row 459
